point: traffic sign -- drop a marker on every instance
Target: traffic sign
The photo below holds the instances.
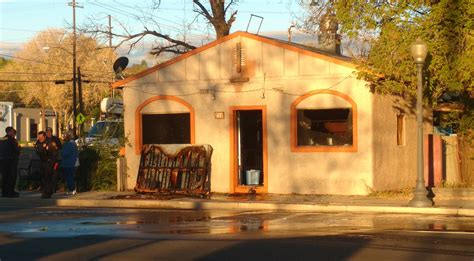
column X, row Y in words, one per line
column 80, row 118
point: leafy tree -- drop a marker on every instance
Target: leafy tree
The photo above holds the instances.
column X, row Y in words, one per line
column 3, row 62
column 390, row 27
column 136, row 68
column 46, row 59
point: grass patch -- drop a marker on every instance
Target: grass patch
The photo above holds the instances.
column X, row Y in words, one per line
column 395, row 194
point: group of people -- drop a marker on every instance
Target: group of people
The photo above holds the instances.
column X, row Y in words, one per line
column 49, row 150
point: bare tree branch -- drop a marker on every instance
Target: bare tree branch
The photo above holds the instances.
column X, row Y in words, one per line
column 202, row 10
column 214, row 12
column 135, row 43
column 232, row 18
column 231, row 2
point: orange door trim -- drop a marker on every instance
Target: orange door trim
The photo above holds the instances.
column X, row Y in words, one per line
column 234, row 187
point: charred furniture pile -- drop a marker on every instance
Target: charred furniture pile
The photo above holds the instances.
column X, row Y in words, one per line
column 187, row 172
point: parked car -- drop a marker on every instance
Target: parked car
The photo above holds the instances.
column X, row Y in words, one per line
column 109, row 132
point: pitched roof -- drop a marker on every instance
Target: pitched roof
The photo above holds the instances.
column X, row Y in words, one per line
column 307, row 50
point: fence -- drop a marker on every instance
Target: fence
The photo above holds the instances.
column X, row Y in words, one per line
column 186, row 172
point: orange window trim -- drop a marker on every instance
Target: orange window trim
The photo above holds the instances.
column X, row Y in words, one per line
column 294, row 132
column 234, row 187
column 138, row 118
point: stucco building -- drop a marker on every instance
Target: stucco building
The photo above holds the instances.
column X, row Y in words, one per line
column 28, row 122
column 294, row 116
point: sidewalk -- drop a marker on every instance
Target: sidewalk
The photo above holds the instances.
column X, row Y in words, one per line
column 453, row 206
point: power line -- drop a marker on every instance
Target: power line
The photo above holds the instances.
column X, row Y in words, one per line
column 40, row 62
column 30, row 60
column 150, row 16
column 19, row 30
column 33, row 73
column 31, row 81
column 52, row 81
column 134, row 16
column 99, row 76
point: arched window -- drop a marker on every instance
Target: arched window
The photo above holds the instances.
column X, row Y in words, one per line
column 324, row 121
column 164, row 120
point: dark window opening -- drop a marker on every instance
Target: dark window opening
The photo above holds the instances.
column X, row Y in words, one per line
column 324, row 127
column 33, row 130
column 250, row 147
column 166, row 128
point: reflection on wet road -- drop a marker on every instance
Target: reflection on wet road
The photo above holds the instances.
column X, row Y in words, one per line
column 137, row 234
column 45, row 222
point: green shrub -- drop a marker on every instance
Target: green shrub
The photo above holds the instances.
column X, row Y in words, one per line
column 98, row 168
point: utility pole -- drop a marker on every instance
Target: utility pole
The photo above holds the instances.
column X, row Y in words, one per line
column 110, row 46
column 74, row 76
column 81, row 104
column 110, row 31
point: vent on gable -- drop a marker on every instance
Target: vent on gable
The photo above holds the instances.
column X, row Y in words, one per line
column 239, row 55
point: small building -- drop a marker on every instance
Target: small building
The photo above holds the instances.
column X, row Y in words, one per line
column 281, row 118
column 28, row 122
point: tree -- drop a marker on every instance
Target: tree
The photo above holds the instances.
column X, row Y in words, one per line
column 136, row 68
column 390, row 27
column 47, row 58
column 3, row 62
column 215, row 13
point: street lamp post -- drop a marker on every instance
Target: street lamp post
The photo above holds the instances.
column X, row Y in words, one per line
column 418, row 51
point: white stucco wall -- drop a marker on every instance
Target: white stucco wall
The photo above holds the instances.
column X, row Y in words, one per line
column 285, row 74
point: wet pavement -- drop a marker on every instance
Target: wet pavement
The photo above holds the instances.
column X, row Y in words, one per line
column 445, row 205
column 71, row 222
column 204, row 234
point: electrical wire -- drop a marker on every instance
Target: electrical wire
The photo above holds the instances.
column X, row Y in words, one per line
column 134, row 16
column 51, row 81
column 30, row 60
column 263, row 89
column 158, row 94
column 33, row 73
column 150, row 16
column 42, row 62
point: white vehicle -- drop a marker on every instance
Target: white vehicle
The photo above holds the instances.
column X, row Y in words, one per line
column 6, row 116
column 109, row 131
column 106, row 131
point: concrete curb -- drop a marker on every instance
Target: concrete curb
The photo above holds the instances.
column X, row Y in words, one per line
column 233, row 205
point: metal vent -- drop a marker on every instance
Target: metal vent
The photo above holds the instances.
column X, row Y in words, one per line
column 239, row 57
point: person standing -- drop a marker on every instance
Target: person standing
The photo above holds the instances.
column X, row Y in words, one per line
column 9, row 153
column 51, row 137
column 69, row 155
column 47, row 151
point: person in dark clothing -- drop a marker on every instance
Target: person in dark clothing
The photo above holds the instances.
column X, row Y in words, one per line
column 9, row 153
column 48, row 154
column 51, row 137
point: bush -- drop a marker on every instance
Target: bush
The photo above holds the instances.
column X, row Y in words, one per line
column 98, row 168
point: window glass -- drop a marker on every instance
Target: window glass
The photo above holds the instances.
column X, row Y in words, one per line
column 106, row 129
column 324, row 127
column 166, row 128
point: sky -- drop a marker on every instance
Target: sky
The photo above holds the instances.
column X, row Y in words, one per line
column 21, row 20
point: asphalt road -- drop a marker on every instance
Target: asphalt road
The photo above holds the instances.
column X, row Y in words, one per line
column 138, row 234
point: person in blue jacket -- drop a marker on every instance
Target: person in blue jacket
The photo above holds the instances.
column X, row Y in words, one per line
column 69, row 154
